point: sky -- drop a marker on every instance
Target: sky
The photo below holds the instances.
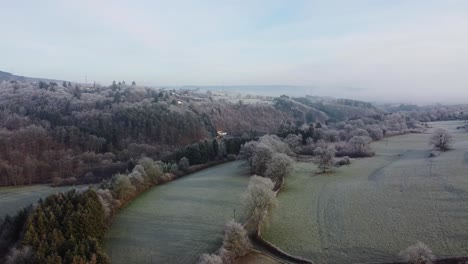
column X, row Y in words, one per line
column 413, row 51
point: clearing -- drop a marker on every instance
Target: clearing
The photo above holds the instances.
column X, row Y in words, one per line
column 13, row 199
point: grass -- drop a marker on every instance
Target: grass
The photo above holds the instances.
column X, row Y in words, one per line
column 12, row 199
column 178, row 221
column 374, row 208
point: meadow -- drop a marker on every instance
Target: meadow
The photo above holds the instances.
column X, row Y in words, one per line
column 178, row 221
column 376, row 207
column 12, row 199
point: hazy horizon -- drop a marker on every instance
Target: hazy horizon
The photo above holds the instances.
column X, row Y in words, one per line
column 383, row 51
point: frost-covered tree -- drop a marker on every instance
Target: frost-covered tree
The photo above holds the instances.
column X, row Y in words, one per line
column 279, row 167
column 236, row 240
column 294, row 142
column 247, row 150
column 153, row 170
column 441, row 139
column 331, row 135
column 325, row 155
column 260, row 158
column 123, row 187
column 418, row 253
column 276, row 144
column 257, row 199
column 375, row 132
column 358, row 146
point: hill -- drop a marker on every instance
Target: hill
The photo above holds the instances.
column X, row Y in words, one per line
column 6, row 76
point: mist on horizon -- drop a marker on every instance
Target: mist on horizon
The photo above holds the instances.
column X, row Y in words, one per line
column 380, row 51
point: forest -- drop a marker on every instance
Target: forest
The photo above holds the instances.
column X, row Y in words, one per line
column 64, row 133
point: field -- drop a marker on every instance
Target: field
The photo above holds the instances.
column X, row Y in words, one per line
column 13, row 199
column 178, row 221
column 371, row 210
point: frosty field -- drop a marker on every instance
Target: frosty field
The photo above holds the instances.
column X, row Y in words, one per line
column 178, row 221
column 376, row 207
column 13, row 199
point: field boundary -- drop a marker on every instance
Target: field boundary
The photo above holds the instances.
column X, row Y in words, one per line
column 454, row 260
column 271, row 248
column 277, row 252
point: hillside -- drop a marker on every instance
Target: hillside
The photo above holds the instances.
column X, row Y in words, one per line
column 6, row 76
column 63, row 132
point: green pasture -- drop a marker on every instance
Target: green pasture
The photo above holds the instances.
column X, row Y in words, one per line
column 371, row 210
column 178, row 221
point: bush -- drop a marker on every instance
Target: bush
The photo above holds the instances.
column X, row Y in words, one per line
column 343, row 161
column 418, row 253
column 184, row 164
column 434, row 153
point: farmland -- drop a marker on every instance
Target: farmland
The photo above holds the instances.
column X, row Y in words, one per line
column 372, row 209
column 178, row 221
column 12, row 199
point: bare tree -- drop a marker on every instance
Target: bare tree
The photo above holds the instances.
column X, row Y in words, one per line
column 441, row 139
column 418, row 253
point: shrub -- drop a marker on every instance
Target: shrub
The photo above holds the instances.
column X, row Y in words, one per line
column 343, row 161
column 184, row 164
column 418, row 253
column 434, row 153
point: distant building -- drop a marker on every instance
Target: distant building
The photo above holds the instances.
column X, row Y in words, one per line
column 221, row 133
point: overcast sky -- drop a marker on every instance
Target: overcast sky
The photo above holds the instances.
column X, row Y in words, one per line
column 409, row 50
